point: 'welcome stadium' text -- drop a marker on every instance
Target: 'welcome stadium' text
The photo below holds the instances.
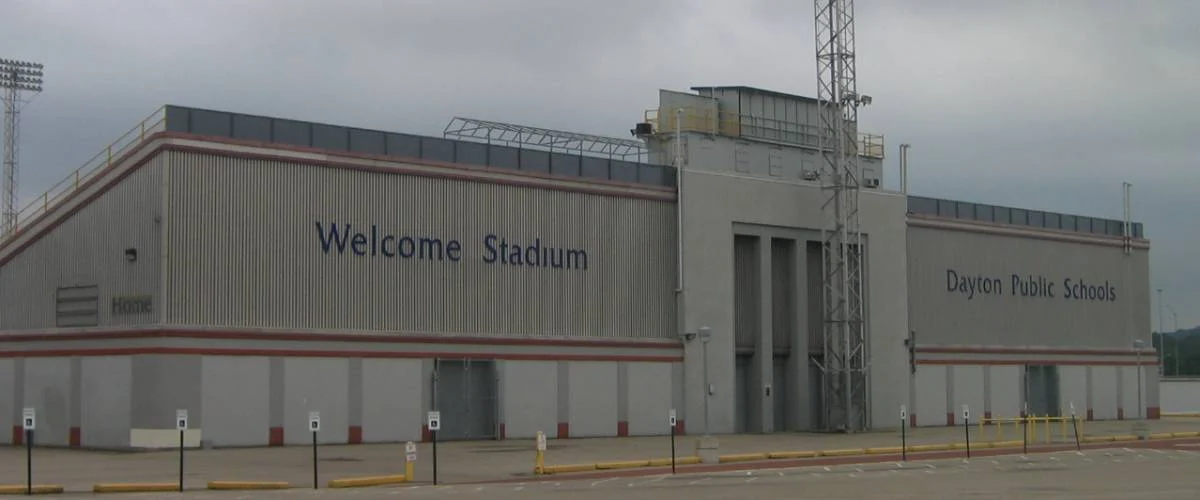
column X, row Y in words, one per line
column 496, row 249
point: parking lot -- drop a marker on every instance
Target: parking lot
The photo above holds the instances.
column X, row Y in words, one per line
column 505, row 468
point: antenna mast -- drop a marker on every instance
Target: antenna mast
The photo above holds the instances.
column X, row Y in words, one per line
column 15, row 76
column 844, row 357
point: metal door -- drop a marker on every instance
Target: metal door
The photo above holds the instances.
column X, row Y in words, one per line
column 465, row 395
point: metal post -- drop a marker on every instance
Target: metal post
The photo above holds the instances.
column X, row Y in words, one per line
column 704, row 334
column 180, row 460
column 1139, row 382
column 433, row 435
column 28, row 462
column 672, row 449
column 1162, row 338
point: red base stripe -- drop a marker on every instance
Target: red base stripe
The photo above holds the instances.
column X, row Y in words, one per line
column 564, row 430
column 276, row 437
column 622, row 429
column 76, row 437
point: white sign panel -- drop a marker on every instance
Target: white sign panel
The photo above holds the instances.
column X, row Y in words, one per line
column 29, row 419
column 181, row 420
column 903, row 413
column 1072, row 408
column 966, row 413
column 314, row 421
column 411, row 457
column 672, row 418
column 435, row 421
column 541, row 441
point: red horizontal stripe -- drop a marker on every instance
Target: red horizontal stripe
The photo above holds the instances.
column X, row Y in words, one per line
column 332, row 337
column 1059, row 351
column 202, row 351
column 1071, row 362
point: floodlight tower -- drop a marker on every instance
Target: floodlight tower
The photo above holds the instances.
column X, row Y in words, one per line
column 844, row 364
column 15, row 77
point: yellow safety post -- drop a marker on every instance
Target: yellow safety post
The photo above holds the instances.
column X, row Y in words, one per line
column 539, row 461
column 1046, row 418
column 410, row 460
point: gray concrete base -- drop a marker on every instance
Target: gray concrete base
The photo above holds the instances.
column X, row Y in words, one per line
column 708, row 449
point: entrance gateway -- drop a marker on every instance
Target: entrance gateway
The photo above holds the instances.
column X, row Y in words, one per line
column 464, row 393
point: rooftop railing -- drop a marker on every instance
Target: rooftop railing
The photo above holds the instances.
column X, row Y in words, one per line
column 730, row 124
column 155, row 122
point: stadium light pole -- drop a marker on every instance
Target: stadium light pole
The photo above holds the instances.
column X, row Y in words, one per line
column 15, row 77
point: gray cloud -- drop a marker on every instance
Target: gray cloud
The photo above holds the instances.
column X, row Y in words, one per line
column 1034, row 103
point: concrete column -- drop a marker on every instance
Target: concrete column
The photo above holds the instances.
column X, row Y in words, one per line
column 800, row 397
column 763, row 394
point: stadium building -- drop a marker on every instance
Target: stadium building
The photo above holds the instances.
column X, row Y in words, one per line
column 252, row 269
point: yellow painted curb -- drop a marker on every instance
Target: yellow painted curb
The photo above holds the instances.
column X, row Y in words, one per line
column 842, row 453
column 791, row 454
column 742, row 457
column 622, row 465
column 1185, row 434
column 1097, row 439
column 1162, row 435
column 884, row 451
column 664, row 462
column 359, row 482
column 134, row 487
column 248, row 485
column 38, row 489
column 557, row 469
column 1125, row 437
column 930, row 447
column 1006, row 444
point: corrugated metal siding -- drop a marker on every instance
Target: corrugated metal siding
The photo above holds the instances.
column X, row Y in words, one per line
column 940, row 316
column 746, row 301
column 89, row 249
column 783, row 303
column 245, row 252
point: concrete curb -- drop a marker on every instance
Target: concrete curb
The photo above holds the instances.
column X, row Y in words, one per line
column 848, row 452
column 134, row 487
column 627, row 464
column 361, row 482
column 38, row 489
column 248, row 485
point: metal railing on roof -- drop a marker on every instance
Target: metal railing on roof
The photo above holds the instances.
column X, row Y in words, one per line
column 524, row 136
column 155, row 122
column 753, row 127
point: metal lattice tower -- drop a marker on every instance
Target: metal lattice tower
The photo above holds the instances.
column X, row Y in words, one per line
column 844, row 361
column 15, row 77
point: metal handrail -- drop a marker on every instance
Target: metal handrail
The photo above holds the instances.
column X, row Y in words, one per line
column 742, row 125
column 153, row 123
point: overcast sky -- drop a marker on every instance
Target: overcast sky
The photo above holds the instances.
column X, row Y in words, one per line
column 1042, row 104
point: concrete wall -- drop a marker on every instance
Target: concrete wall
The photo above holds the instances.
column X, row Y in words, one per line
column 106, row 403
column 391, row 394
column 1180, row 395
column 720, row 202
column 87, row 249
column 1110, row 392
column 236, row 400
column 10, row 411
column 251, row 231
column 942, row 260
